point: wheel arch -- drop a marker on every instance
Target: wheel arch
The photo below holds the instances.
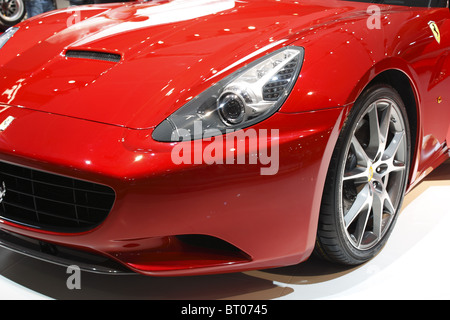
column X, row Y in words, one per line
column 403, row 84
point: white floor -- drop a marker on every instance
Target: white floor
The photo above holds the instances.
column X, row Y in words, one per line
column 413, row 265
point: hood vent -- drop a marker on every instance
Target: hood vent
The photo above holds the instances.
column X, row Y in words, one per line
column 93, row 55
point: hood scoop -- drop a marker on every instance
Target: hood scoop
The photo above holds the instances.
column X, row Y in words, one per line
column 93, row 55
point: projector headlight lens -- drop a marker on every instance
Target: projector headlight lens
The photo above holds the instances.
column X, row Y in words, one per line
column 242, row 99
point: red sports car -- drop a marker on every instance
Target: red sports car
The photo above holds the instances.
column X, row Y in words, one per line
column 181, row 137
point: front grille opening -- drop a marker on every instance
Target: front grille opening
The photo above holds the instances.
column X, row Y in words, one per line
column 52, row 202
column 93, row 55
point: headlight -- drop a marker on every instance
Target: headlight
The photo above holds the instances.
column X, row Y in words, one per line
column 7, row 35
column 248, row 96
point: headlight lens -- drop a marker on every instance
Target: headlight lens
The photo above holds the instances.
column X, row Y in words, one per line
column 248, row 96
column 7, row 35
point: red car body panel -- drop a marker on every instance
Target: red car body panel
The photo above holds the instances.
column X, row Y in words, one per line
column 93, row 120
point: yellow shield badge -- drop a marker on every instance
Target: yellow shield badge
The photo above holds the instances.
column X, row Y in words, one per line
column 436, row 33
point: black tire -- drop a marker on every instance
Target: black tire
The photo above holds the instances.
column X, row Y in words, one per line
column 366, row 181
column 12, row 13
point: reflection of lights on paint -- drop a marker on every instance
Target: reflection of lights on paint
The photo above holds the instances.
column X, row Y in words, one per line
column 170, row 92
column 164, row 14
column 138, row 158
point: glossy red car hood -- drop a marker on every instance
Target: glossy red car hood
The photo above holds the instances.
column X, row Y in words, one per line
column 170, row 52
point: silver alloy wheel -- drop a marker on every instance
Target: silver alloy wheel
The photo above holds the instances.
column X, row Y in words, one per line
column 11, row 10
column 372, row 177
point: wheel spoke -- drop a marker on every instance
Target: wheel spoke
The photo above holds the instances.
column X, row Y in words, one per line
column 382, row 205
column 361, row 225
column 379, row 128
column 358, row 173
column 384, row 125
column 361, row 155
column 378, row 205
column 389, row 156
column 397, row 166
column 363, row 201
column 375, row 134
column 393, row 147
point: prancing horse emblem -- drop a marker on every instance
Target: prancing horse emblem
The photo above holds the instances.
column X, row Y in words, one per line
column 2, row 192
column 435, row 29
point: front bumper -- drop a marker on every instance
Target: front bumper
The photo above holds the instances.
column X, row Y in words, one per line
column 182, row 219
column 60, row 255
